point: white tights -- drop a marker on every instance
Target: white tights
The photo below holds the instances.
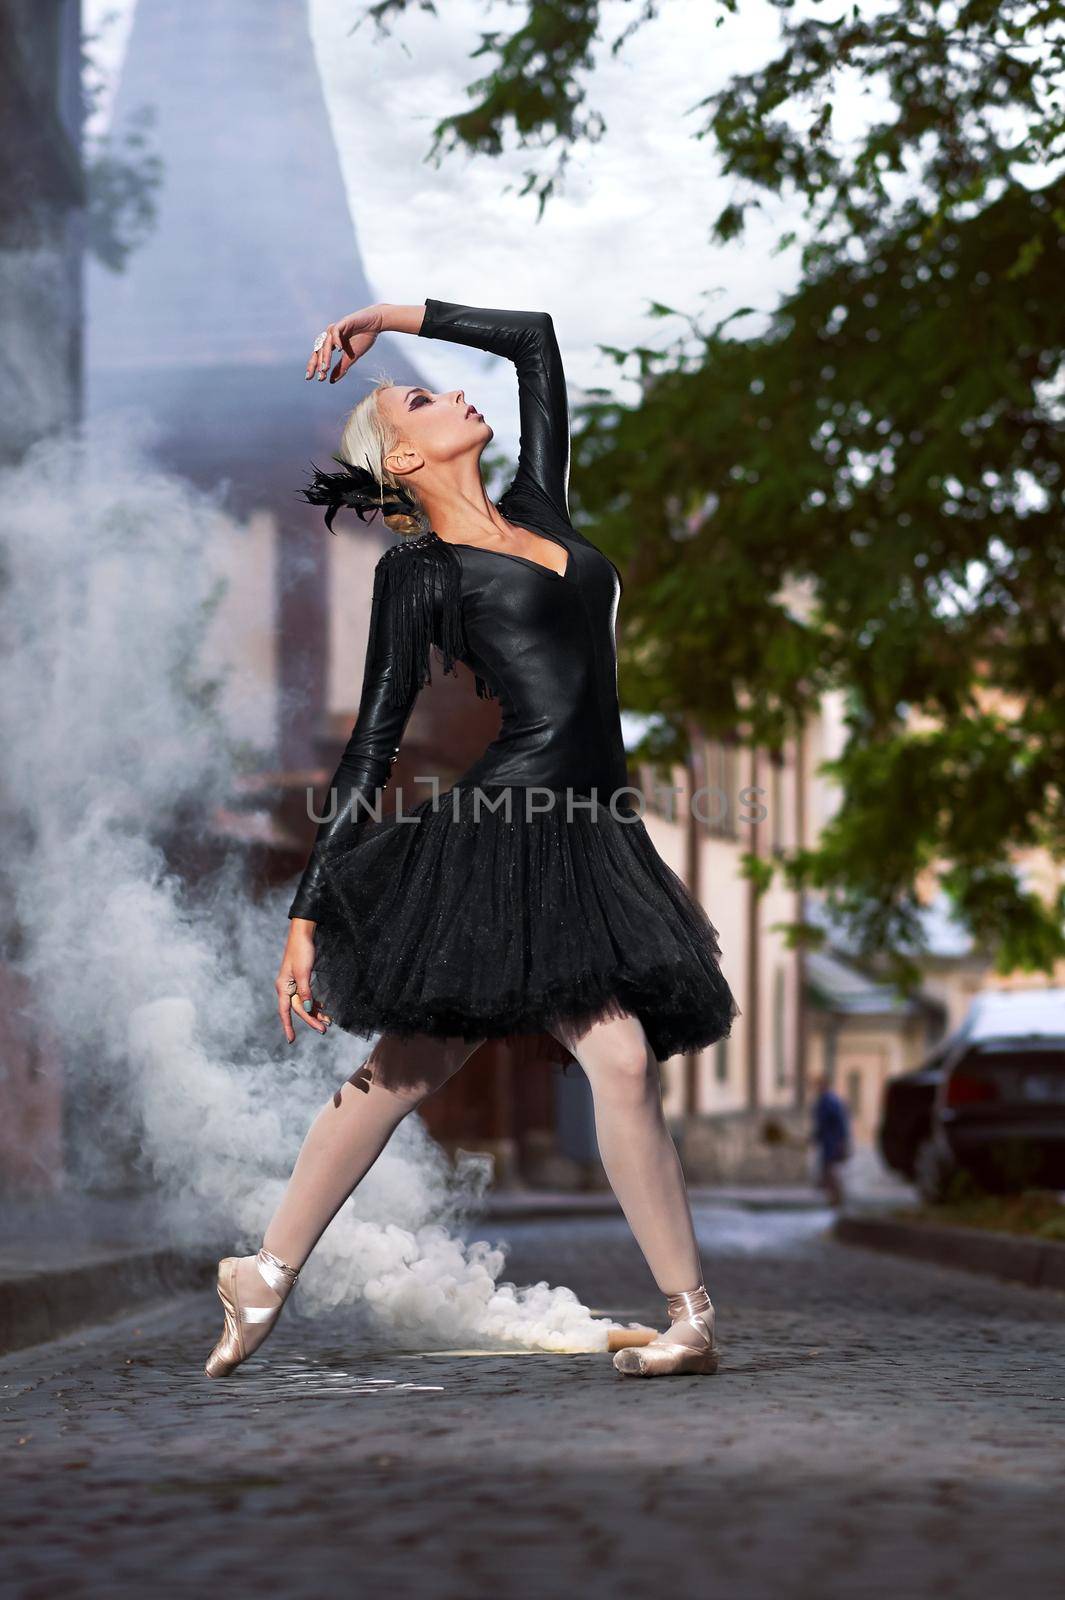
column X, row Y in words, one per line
column 636, row 1147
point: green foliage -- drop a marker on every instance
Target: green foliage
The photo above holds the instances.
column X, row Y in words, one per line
column 966, row 94
column 866, row 494
column 966, row 91
column 892, row 447
column 123, row 172
column 534, row 89
column 123, row 175
column 1036, row 1212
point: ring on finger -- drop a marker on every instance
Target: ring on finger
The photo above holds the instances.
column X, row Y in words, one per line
column 322, row 337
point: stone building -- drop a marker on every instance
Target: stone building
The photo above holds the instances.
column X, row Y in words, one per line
column 42, row 233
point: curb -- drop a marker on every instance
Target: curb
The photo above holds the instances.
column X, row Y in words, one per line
column 36, row 1306
column 546, row 1209
column 522, row 1205
column 1037, row 1263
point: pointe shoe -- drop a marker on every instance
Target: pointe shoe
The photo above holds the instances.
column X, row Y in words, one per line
column 230, row 1349
column 666, row 1357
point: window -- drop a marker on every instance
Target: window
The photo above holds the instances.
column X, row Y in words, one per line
column 718, row 805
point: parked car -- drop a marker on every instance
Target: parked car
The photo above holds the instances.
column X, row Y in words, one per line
column 988, row 1099
column 906, row 1111
column 1000, row 1108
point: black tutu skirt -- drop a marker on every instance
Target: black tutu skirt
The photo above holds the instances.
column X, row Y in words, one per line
column 458, row 920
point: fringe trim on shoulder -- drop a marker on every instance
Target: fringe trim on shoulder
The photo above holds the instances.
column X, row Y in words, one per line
column 416, row 574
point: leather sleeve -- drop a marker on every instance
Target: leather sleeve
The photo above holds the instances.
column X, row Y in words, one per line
column 389, row 691
column 527, row 338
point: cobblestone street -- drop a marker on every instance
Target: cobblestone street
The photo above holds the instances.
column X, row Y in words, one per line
column 878, row 1427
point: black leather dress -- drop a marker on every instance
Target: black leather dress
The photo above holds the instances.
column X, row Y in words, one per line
column 529, row 893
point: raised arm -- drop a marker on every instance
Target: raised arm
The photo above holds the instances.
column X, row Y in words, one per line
column 527, row 338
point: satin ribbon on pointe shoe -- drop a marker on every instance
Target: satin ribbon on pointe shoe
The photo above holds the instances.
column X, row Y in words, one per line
column 668, row 1357
column 688, row 1304
column 230, row 1350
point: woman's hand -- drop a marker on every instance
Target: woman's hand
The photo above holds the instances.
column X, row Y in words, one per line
column 293, row 983
column 353, row 335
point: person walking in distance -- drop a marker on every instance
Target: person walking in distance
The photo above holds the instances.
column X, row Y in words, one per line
column 832, row 1136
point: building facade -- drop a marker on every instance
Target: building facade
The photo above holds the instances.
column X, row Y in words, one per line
column 42, row 243
column 42, row 222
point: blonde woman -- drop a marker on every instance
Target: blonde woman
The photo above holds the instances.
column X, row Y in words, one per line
column 528, row 897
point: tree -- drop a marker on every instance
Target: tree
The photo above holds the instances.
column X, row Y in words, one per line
column 892, row 442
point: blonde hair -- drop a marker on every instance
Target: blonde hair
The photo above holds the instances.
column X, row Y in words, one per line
column 366, row 439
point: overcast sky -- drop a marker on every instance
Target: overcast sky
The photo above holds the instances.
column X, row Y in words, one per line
column 631, row 226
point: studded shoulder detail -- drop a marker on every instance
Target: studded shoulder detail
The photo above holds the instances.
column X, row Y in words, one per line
column 418, row 597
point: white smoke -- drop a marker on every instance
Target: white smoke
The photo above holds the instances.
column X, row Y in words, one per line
column 160, row 993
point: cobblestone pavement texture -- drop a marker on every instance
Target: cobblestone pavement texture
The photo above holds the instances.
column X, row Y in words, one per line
column 879, row 1427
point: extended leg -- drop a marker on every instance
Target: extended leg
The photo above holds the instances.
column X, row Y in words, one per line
column 642, row 1164
column 637, row 1149
column 344, row 1141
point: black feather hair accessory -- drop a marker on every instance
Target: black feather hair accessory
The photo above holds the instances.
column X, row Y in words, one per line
column 359, row 490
